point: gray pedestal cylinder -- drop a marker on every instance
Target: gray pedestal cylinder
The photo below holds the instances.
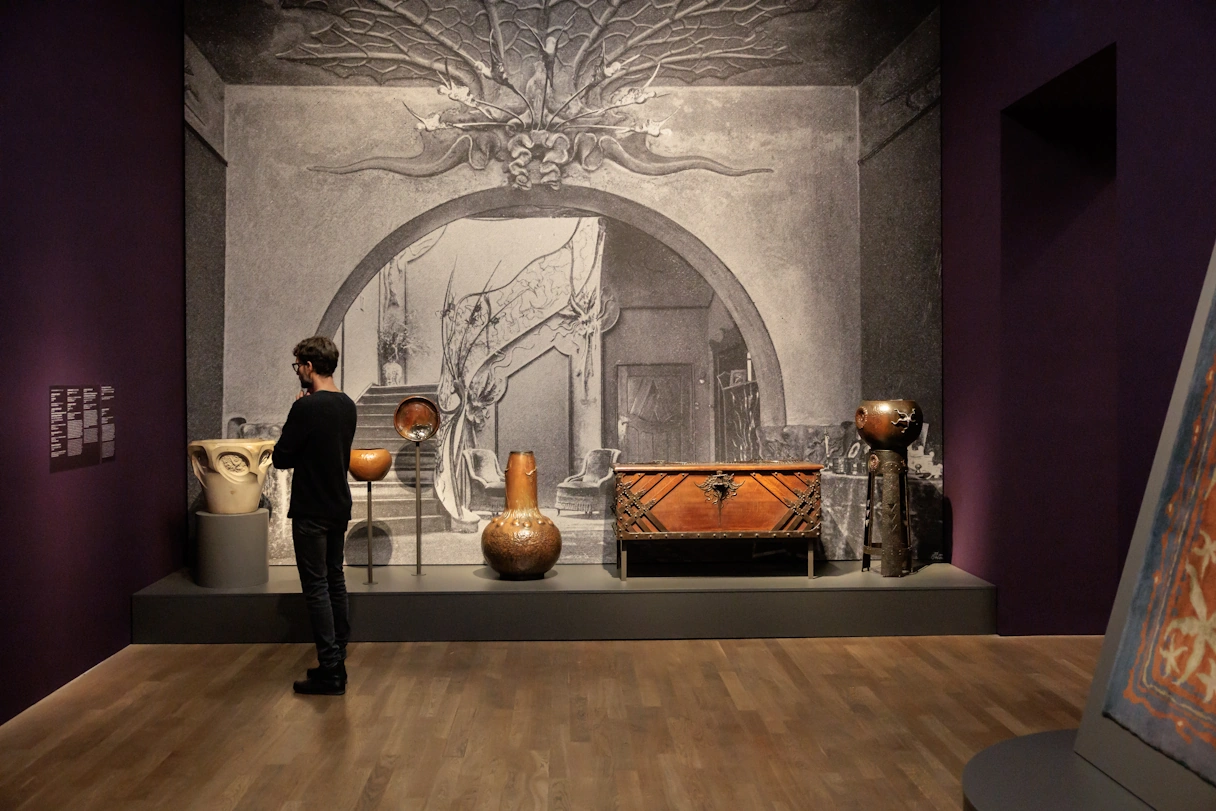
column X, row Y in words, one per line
column 233, row 550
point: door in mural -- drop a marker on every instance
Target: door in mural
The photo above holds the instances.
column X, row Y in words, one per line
column 654, row 410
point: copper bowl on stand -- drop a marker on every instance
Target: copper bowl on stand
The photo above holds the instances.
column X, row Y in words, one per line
column 370, row 464
column 417, row 419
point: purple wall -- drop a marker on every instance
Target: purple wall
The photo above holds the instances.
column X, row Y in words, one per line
column 91, row 167
column 1053, row 536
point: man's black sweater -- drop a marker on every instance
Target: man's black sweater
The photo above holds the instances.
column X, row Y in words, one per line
column 316, row 442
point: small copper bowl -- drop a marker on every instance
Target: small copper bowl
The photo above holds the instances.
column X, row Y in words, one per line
column 416, row 418
column 370, row 464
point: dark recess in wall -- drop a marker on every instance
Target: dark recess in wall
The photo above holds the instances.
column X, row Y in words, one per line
column 993, row 56
column 1058, row 347
column 1076, row 109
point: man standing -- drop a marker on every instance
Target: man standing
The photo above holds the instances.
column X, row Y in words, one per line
column 316, row 442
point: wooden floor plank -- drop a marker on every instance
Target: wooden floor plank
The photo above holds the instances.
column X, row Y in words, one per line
column 699, row 724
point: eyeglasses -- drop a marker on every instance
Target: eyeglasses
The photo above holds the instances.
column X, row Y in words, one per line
column 295, row 367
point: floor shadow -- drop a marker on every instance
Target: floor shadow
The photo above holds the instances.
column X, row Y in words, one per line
column 486, row 573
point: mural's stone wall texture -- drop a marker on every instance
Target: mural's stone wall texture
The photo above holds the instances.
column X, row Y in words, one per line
column 790, row 236
column 900, row 192
column 204, row 235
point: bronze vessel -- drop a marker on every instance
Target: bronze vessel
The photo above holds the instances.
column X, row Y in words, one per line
column 889, row 425
column 520, row 543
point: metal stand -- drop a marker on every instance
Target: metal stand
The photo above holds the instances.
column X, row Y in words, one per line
column 417, row 419
column 418, row 510
column 890, row 515
column 370, row 581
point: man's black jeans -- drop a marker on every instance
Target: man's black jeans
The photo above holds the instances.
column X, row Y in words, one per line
column 319, row 546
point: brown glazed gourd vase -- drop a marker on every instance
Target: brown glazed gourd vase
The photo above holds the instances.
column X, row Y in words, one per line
column 520, row 543
column 889, row 425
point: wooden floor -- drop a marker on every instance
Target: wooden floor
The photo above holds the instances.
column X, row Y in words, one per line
column 778, row 724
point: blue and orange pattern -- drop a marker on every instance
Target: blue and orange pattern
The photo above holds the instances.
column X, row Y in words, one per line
column 1163, row 684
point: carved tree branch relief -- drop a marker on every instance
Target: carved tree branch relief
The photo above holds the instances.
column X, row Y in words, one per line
column 542, row 86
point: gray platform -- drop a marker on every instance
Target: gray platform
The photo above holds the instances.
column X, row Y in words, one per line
column 233, row 549
column 576, row 602
column 1040, row 772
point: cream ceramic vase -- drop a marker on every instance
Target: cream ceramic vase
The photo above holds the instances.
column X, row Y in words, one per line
column 232, row 472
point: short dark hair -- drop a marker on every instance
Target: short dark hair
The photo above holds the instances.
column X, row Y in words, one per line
column 320, row 351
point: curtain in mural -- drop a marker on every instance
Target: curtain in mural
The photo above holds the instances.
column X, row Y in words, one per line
column 555, row 301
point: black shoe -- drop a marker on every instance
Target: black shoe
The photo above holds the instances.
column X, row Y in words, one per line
column 313, row 672
column 326, row 681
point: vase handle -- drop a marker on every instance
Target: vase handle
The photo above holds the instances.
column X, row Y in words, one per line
column 266, row 460
column 200, row 467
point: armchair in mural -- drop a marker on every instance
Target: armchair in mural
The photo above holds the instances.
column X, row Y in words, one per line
column 589, row 490
column 488, row 488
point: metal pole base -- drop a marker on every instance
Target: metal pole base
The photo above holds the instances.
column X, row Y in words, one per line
column 370, row 580
column 418, row 510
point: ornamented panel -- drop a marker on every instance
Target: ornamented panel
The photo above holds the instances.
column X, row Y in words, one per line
column 1163, row 684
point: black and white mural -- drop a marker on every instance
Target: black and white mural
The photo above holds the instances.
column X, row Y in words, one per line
column 597, row 230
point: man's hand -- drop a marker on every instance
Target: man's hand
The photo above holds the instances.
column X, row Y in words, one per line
column 302, row 393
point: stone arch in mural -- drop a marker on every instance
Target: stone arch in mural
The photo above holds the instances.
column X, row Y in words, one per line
column 582, row 200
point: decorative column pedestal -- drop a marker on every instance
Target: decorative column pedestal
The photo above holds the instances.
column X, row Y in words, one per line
column 886, row 534
column 233, row 550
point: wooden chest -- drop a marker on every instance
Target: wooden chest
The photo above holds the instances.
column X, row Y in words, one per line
column 722, row 501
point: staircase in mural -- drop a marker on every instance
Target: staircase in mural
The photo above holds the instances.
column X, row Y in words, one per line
column 393, row 496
